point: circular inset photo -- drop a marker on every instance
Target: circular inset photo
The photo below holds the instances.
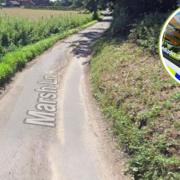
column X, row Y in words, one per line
column 170, row 45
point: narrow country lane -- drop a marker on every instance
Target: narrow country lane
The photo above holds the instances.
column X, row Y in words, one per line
column 45, row 123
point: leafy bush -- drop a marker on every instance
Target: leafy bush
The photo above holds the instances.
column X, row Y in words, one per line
column 121, row 21
column 146, row 31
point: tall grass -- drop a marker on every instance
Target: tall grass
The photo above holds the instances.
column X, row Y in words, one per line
column 16, row 32
column 21, row 39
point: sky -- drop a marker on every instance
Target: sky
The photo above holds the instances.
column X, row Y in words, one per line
column 177, row 17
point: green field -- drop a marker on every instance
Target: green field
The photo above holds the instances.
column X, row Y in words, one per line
column 22, row 38
column 20, row 27
column 35, row 14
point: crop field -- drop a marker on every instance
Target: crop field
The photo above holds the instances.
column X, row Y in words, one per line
column 34, row 14
column 22, row 38
column 18, row 28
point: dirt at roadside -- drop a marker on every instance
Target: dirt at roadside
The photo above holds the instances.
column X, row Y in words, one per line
column 112, row 158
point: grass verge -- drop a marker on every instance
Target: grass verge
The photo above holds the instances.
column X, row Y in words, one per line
column 143, row 104
column 16, row 60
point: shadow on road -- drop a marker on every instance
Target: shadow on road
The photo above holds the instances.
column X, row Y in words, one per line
column 82, row 47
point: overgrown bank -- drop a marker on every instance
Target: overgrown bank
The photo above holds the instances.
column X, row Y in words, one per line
column 143, row 103
column 135, row 91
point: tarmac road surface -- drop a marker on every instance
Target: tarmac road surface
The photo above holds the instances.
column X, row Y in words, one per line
column 45, row 124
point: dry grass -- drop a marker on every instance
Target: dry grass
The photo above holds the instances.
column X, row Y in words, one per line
column 143, row 101
column 34, row 14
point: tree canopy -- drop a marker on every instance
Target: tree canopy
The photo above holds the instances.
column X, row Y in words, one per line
column 133, row 7
column 125, row 11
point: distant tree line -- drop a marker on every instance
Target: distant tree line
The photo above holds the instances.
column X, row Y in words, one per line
column 124, row 11
column 91, row 5
column 134, row 6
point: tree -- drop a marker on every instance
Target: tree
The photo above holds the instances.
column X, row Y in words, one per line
column 2, row 1
column 65, row 2
column 126, row 12
column 103, row 4
column 92, row 6
column 138, row 7
column 77, row 3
